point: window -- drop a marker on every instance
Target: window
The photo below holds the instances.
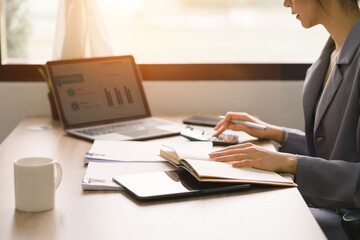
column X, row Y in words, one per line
column 210, row 31
column 208, row 34
column 29, row 30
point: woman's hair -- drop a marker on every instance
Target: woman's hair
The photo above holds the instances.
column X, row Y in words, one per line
column 344, row 4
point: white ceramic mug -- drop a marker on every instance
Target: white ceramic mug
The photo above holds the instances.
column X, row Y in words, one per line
column 35, row 183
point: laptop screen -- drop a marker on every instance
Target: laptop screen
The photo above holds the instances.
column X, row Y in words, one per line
column 97, row 90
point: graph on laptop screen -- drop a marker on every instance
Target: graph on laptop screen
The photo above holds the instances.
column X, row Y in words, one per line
column 98, row 90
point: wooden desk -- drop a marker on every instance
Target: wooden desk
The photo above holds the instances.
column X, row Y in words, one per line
column 261, row 213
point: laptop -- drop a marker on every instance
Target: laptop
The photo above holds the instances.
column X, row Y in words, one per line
column 172, row 184
column 103, row 98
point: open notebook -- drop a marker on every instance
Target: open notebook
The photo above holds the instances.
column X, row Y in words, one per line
column 193, row 156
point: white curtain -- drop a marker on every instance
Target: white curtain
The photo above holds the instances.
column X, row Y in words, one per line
column 80, row 31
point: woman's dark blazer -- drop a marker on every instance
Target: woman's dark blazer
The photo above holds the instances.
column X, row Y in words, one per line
column 328, row 168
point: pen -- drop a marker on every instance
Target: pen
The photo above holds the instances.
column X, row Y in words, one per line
column 41, row 71
column 248, row 124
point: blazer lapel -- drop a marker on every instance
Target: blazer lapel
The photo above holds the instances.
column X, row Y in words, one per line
column 313, row 83
column 328, row 94
column 346, row 55
column 312, row 88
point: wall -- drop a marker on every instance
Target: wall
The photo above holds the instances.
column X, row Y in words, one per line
column 277, row 102
column 18, row 100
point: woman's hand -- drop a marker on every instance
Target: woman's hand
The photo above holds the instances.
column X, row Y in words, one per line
column 251, row 155
column 272, row 132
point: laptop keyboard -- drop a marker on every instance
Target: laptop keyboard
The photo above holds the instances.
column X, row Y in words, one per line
column 122, row 127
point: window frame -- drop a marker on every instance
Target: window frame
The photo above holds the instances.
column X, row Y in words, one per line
column 180, row 72
column 14, row 72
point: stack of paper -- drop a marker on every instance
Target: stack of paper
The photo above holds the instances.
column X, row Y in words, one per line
column 123, row 151
column 99, row 175
column 111, row 158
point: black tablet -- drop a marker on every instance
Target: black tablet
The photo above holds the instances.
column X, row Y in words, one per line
column 171, row 184
column 202, row 121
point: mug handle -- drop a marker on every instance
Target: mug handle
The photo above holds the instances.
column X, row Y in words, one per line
column 58, row 174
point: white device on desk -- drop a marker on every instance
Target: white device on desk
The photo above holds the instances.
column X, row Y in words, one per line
column 103, row 98
column 170, row 184
column 195, row 134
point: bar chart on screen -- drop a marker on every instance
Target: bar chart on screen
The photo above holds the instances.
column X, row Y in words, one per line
column 118, row 96
column 128, row 95
column 109, row 98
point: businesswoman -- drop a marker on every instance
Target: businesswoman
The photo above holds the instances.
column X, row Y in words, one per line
column 326, row 158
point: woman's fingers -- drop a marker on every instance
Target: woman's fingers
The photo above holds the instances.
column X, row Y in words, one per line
column 234, row 153
column 231, row 157
column 251, row 155
column 227, row 123
column 224, row 124
column 232, row 149
column 219, row 130
column 244, row 163
column 219, row 124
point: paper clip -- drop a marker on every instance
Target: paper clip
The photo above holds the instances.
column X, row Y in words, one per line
column 90, row 180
